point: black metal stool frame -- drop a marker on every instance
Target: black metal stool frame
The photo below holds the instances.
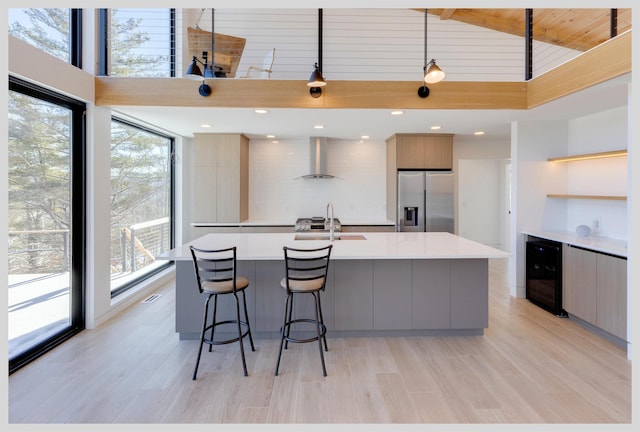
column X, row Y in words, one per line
column 305, row 273
column 222, row 271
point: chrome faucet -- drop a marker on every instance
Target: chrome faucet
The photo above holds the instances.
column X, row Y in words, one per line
column 331, row 225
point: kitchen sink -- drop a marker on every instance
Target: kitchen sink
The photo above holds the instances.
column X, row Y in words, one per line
column 327, row 237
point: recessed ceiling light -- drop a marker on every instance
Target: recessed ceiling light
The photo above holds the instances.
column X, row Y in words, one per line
column 205, row 125
column 397, row 112
column 271, row 136
column 319, row 127
column 435, row 127
column 261, row 111
column 479, row 133
column 275, row 141
column 365, row 137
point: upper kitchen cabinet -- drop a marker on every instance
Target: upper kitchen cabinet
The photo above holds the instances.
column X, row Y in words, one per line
column 423, row 151
column 221, row 178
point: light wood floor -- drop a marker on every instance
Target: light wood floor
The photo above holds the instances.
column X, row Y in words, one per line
column 528, row 367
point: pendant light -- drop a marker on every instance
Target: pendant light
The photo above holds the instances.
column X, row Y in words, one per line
column 432, row 73
column 193, row 71
column 316, row 81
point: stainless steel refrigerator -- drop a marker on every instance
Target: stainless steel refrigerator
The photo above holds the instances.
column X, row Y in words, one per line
column 425, row 201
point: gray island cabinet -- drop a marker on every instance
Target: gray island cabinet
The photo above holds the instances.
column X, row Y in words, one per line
column 387, row 284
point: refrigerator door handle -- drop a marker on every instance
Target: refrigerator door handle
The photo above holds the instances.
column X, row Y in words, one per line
column 424, row 209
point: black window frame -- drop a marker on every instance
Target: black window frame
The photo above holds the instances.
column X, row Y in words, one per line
column 172, row 206
column 75, row 37
column 78, row 216
column 104, row 23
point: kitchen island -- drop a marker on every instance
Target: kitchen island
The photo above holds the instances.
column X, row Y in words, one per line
column 379, row 284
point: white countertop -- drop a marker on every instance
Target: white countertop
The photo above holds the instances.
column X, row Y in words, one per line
column 598, row 244
column 378, row 245
column 291, row 223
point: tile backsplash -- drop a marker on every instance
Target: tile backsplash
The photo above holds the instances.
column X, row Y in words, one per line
column 277, row 191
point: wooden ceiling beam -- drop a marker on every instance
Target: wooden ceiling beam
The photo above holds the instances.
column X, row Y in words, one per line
column 237, row 93
column 447, row 13
column 579, row 29
column 602, row 63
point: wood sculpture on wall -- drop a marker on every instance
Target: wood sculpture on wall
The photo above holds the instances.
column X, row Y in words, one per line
column 228, row 49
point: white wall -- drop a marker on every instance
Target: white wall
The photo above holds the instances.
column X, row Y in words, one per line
column 604, row 131
column 276, row 192
column 479, row 195
column 481, row 188
column 381, row 43
column 532, row 178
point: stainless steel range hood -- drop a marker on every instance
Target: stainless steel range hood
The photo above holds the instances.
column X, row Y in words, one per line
column 318, row 159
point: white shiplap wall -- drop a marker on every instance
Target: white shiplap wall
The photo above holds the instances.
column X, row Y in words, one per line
column 376, row 44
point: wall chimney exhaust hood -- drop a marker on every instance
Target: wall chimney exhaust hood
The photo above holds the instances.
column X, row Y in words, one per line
column 318, row 159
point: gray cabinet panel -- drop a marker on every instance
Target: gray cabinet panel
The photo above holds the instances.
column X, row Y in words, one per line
column 269, row 296
column 611, row 295
column 360, row 295
column 190, row 303
column 595, row 289
column 469, row 293
column 392, row 294
column 431, row 291
column 579, row 283
column 353, row 294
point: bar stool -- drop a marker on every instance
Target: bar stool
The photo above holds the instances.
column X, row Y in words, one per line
column 306, row 273
column 216, row 275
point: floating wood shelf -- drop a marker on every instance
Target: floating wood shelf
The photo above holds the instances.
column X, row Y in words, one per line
column 601, row 155
column 589, row 197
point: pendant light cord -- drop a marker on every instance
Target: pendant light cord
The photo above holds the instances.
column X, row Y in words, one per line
column 320, row 40
column 425, row 39
column 199, row 18
column 213, row 43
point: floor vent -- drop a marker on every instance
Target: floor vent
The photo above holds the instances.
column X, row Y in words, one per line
column 151, row 298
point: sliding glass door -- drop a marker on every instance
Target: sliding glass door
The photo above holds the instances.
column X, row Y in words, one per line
column 46, row 220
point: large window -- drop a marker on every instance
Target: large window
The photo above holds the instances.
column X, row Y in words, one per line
column 55, row 31
column 141, row 42
column 141, row 203
column 46, row 222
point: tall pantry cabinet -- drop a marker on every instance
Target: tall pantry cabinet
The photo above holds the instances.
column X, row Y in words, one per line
column 221, row 178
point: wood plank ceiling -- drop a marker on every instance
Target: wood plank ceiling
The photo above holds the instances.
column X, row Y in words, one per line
column 579, row 29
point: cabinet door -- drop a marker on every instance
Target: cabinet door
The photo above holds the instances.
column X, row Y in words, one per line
column 611, row 304
column 410, row 152
column 469, row 293
column 270, row 298
column 220, row 176
column 431, row 294
column 227, row 194
column 438, row 152
column 579, row 283
column 424, row 152
column 392, row 294
column 204, row 194
column 353, row 291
